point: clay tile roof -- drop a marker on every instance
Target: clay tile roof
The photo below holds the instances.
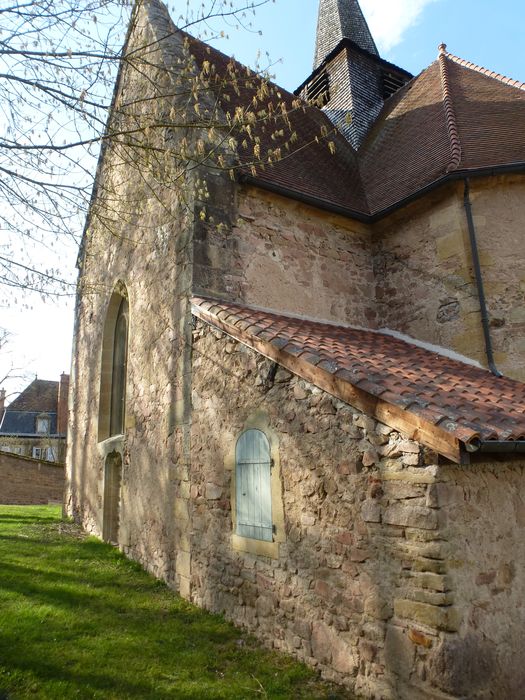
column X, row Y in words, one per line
column 310, row 167
column 442, row 398
column 453, row 116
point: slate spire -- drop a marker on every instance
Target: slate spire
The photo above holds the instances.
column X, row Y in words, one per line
column 341, row 19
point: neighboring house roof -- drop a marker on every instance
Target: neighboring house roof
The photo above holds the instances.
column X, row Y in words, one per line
column 24, row 423
column 442, row 402
column 41, row 396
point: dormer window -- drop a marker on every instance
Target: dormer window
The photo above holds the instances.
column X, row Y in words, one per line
column 43, row 425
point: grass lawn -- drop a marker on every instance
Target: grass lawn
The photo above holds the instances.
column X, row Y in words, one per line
column 78, row 620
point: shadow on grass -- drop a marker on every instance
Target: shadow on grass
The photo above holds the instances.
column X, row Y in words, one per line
column 77, row 619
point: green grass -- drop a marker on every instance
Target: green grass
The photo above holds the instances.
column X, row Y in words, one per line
column 78, row 620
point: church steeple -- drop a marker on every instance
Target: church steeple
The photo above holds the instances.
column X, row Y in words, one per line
column 350, row 80
column 341, row 19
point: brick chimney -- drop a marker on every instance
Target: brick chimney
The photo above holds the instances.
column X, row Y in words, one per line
column 63, row 391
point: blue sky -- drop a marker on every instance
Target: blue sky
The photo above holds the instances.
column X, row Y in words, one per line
column 487, row 32
column 407, row 32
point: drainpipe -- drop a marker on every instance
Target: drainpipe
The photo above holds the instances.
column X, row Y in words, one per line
column 479, row 280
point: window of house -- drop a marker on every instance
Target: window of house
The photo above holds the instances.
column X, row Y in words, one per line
column 12, row 449
column 253, row 486
column 43, row 424
column 47, row 453
column 118, row 374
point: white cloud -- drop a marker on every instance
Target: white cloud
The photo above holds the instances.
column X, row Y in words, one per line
column 389, row 19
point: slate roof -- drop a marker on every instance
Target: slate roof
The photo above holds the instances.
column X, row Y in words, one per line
column 41, row 396
column 338, row 20
column 24, row 422
column 461, row 401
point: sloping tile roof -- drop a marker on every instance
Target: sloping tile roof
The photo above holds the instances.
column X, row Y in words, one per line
column 408, row 149
column 41, row 395
column 490, row 115
column 309, row 167
column 461, row 401
column 415, row 138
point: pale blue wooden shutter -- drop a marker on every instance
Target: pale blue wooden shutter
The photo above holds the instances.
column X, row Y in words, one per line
column 253, row 492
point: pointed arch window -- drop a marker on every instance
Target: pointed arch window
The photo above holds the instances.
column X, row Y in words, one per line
column 118, row 374
column 113, row 366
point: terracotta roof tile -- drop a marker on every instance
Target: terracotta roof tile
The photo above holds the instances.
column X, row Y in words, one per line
column 308, row 167
column 456, row 397
column 454, row 115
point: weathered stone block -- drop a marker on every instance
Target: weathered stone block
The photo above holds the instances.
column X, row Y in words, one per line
column 321, row 642
column 213, row 492
column 463, row 666
column 434, row 582
column 439, row 618
column 371, row 511
column 420, row 639
column 399, row 652
column 410, row 516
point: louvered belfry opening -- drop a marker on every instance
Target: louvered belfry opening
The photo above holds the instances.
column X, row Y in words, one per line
column 392, row 81
column 318, row 91
column 350, row 81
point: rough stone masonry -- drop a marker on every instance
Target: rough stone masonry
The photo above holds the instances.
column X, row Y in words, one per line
column 392, row 577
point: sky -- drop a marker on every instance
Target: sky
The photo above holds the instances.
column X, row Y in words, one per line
column 407, row 33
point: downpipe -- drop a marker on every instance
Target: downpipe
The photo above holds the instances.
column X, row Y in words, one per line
column 479, row 280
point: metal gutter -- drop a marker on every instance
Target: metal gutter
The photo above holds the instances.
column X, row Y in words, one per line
column 479, row 280
column 496, row 446
column 367, row 218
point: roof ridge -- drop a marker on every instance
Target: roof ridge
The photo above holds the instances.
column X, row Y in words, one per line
column 450, row 114
column 485, row 71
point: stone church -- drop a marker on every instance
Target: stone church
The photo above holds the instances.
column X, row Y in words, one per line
column 296, row 390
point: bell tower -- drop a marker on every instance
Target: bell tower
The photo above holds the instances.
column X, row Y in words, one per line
column 350, row 80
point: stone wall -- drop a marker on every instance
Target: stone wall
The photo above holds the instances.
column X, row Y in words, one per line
column 26, row 481
column 287, row 256
column 373, row 582
column 139, row 243
column 425, row 285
